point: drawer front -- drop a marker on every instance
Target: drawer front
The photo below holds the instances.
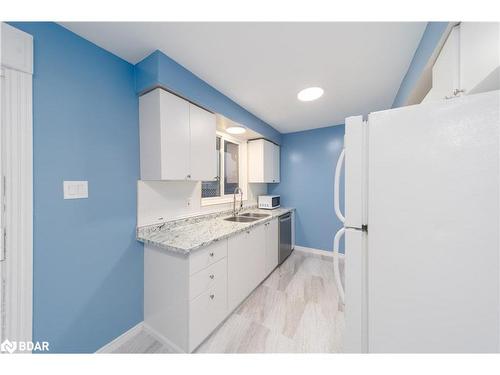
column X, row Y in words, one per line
column 206, row 312
column 207, row 278
column 203, row 258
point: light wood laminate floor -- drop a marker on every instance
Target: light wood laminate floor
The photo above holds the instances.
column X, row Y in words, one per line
column 295, row 310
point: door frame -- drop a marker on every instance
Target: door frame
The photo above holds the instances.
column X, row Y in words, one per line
column 16, row 137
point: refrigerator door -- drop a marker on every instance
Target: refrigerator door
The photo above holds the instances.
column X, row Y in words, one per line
column 433, row 244
column 355, row 172
column 355, row 340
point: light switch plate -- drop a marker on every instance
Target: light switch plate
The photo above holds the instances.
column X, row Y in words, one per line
column 75, row 189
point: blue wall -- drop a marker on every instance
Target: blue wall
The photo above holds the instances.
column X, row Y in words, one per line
column 427, row 45
column 88, row 267
column 308, row 160
column 159, row 69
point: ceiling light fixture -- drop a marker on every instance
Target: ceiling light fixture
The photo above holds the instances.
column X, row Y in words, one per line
column 310, row 94
column 236, row 130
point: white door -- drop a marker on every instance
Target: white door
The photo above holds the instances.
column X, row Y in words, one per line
column 355, row 291
column 446, row 69
column 276, row 163
column 175, row 137
column 2, row 245
column 355, row 172
column 246, row 264
column 272, row 245
column 433, row 246
column 268, row 149
column 202, row 147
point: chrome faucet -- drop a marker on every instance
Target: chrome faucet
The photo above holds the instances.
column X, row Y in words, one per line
column 236, row 191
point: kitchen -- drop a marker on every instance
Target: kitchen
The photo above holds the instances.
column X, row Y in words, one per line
column 186, row 223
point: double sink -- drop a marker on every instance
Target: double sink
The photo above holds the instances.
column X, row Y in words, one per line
column 247, row 217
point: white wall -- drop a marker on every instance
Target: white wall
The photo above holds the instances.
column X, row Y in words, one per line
column 158, row 201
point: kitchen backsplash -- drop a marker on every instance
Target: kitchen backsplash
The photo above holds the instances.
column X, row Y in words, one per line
column 159, row 201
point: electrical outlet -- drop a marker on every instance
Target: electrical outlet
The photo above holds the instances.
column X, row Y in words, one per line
column 75, row 189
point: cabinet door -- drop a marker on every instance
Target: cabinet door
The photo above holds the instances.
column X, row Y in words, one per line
column 202, row 149
column 175, row 137
column 268, row 160
column 258, row 247
column 208, row 309
column 276, row 163
column 479, row 56
column 272, row 245
column 446, row 69
column 246, row 261
column 256, row 161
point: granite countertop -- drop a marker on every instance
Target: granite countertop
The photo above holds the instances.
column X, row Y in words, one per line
column 184, row 236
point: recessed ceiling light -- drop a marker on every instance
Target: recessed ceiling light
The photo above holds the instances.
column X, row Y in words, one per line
column 236, row 130
column 310, row 94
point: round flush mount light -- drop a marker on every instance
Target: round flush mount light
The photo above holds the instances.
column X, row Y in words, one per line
column 236, row 130
column 310, row 94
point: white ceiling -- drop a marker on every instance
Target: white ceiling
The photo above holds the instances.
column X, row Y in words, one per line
column 262, row 66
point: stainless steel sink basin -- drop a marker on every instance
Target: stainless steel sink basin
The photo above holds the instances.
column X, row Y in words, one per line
column 241, row 219
column 254, row 214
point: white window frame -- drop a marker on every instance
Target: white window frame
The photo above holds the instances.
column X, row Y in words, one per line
column 242, row 172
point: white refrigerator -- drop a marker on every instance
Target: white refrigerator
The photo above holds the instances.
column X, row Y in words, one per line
column 421, row 230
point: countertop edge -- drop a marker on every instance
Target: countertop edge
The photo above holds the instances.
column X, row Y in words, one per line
column 187, row 252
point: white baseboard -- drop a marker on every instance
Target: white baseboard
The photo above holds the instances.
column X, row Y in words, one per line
column 161, row 338
column 111, row 346
column 312, row 250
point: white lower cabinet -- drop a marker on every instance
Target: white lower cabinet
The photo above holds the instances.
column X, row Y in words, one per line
column 246, row 264
column 187, row 297
column 209, row 308
column 272, row 245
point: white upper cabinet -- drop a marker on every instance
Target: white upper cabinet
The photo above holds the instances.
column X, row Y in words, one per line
column 446, row 69
column 202, row 150
column 468, row 63
column 263, row 161
column 177, row 138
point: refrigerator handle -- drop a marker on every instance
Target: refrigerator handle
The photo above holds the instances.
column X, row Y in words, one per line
column 336, row 269
column 336, row 187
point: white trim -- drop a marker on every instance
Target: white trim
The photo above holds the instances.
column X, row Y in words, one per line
column 312, row 250
column 17, row 167
column 111, row 346
column 162, row 339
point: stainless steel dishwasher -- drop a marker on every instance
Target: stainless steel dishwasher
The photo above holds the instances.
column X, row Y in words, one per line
column 285, row 235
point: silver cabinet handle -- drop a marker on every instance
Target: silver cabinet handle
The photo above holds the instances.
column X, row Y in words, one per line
column 188, row 176
column 212, row 276
column 211, row 254
column 212, row 296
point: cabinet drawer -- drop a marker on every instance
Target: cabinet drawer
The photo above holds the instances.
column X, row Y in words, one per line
column 205, row 257
column 206, row 312
column 207, row 278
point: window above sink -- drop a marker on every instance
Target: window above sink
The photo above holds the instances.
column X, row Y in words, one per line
column 231, row 171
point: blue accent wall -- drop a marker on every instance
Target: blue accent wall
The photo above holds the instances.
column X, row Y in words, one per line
column 88, row 267
column 431, row 37
column 308, row 161
column 159, row 69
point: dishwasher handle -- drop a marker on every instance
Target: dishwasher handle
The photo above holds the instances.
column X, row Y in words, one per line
column 286, row 216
